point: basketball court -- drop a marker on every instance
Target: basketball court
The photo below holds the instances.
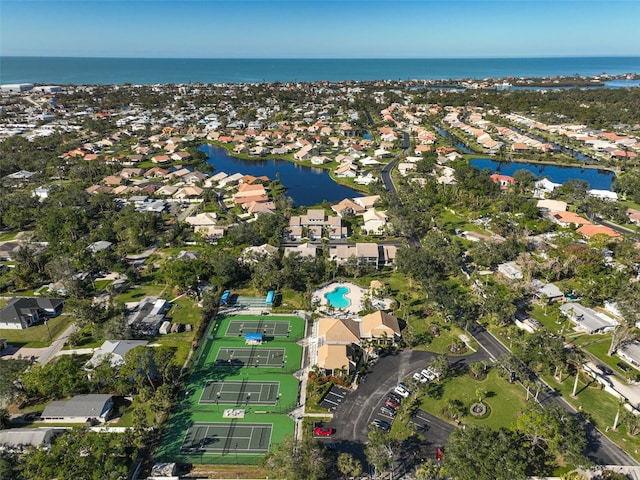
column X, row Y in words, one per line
column 245, row 392
column 226, row 438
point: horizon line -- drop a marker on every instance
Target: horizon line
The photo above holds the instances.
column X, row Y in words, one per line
column 322, row 58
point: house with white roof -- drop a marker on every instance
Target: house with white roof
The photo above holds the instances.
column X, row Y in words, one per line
column 114, row 350
column 588, row 320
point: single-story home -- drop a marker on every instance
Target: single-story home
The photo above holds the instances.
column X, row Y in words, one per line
column 80, row 409
column 588, row 320
column 18, row 439
column 630, row 353
column 511, row 270
column 148, row 315
column 114, row 350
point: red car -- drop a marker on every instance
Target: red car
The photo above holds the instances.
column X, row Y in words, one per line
column 389, row 402
column 324, row 431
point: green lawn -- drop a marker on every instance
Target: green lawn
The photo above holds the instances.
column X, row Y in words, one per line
column 7, row 236
column 185, row 311
column 38, row 336
column 138, row 293
column 504, row 399
column 600, row 407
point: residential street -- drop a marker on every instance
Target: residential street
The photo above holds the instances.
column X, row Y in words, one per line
column 56, row 346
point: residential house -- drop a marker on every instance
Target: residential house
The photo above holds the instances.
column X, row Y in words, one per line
column 630, row 353
column 147, row 315
column 634, row 215
column 304, row 250
column 505, row 181
column 566, row 219
column 367, row 202
column 586, row 319
column 80, row 409
column 547, row 291
column 24, row 312
column 590, row 231
column 255, row 254
column 510, row 270
column 552, row 205
column 188, row 193
column 114, row 351
column 17, row 440
column 375, row 221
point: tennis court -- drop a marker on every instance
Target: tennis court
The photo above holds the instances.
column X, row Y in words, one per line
column 227, row 438
column 250, row 357
column 269, row 328
column 231, row 392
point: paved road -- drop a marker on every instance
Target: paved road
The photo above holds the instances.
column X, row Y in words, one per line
column 601, row 449
column 56, row 345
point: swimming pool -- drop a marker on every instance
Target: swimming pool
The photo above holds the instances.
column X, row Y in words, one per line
column 337, row 298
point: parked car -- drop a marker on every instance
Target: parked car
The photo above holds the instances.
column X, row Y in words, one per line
column 381, row 424
column 392, row 403
column 604, row 369
column 388, row 411
column 402, row 391
column 429, row 374
column 623, row 366
column 394, row 396
column 324, row 431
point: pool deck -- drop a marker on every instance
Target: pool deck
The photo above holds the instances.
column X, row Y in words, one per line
column 355, row 295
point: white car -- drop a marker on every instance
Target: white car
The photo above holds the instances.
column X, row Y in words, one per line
column 429, row 374
column 403, row 392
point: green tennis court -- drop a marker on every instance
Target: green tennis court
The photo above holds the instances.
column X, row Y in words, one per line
column 250, row 357
column 230, row 392
column 227, row 438
column 269, row 328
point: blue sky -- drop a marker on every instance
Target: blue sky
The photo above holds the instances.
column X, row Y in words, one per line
column 320, row 29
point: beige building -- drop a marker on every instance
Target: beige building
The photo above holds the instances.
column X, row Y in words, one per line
column 380, row 324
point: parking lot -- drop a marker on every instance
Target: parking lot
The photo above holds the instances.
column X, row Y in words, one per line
column 361, row 407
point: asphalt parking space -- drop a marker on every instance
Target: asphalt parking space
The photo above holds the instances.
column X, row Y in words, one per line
column 435, row 431
column 334, row 397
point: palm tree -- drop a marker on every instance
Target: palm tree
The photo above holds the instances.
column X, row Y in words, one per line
column 578, row 362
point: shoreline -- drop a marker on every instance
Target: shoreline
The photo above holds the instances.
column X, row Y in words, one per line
column 227, row 148
column 616, row 172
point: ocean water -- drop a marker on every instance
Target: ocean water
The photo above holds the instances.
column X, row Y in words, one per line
column 145, row 71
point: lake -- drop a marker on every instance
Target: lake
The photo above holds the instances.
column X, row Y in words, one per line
column 306, row 186
column 598, row 179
